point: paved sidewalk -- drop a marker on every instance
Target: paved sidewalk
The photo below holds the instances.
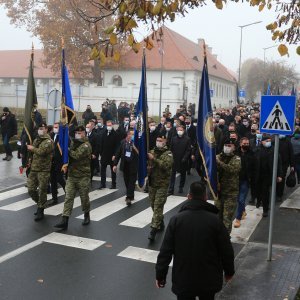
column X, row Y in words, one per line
column 9, row 173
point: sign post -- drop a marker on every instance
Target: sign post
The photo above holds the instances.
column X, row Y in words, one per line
column 277, row 116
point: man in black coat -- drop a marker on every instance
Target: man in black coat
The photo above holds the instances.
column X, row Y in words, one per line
column 123, row 128
column 108, row 148
column 56, row 173
column 9, row 128
column 94, row 140
column 200, row 246
column 153, row 134
column 286, row 153
column 191, row 132
column 128, row 154
column 88, row 115
column 264, row 171
column 181, row 150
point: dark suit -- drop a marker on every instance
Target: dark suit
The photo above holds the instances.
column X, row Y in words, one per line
column 56, row 174
column 129, row 166
column 94, row 140
column 122, row 131
column 191, row 132
column 108, row 148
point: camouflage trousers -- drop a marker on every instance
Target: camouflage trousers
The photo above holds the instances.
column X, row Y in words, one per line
column 74, row 184
column 227, row 206
column 158, row 198
column 37, row 184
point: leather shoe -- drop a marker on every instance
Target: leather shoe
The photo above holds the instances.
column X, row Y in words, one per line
column 128, row 201
column 152, row 234
column 63, row 224
column 86, row 220
column 39, row 214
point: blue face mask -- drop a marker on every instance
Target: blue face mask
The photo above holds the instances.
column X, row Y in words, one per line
column 259, row 136
column 132, row 138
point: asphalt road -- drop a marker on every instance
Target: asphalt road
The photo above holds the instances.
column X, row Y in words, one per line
column 105, row 260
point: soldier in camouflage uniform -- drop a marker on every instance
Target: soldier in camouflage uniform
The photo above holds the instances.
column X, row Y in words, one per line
column 40, row 166
column 229, row 166
column 79, row 177
column 160, row 168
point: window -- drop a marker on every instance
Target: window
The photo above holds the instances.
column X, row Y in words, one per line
column 117, row 80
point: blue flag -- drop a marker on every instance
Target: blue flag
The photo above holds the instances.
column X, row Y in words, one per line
column 67, row 113
column 205, row 133
column 269, row 90
column 140, row 136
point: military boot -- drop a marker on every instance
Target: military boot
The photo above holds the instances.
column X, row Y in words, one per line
column 39, row 214
column 63, row 224
column 162, row 226
column 152, row 234
column 86, row 220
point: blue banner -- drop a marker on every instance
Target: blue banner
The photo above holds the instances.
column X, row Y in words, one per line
column 205, row 133
column 140, row 136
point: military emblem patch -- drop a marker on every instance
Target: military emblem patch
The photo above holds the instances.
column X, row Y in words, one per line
column 208, row 129
column 140, row 124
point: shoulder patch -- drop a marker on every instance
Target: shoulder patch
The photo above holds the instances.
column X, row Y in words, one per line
column 86, row 145
column 238, row 158
column 170, row 154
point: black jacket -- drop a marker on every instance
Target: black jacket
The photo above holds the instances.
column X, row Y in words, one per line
column 191, row 132
column 286, row 152
column 9, row 125
column 152, row 138
column 109, row 146
column 134, row 159
column 181, row 150
column 94, row 140
column 200, row 246
column 57, row 161
column 247, row 165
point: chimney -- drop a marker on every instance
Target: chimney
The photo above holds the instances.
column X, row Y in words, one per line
column 200, row 42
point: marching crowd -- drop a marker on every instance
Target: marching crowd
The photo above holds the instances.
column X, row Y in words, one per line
column 244, row 159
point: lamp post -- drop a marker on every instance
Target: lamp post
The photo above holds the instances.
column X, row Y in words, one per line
column 161, row 50
column 266, row 48
column 242, row 26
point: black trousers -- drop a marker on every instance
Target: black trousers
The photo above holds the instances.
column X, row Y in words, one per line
column 56, row 176
column 173, row 178
column 129, row 179
column 103, row 174
column 280, row 185
column 263, row 192
column 205, row 295
column 94, row 166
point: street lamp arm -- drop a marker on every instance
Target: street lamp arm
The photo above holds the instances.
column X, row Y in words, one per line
column 242, row 26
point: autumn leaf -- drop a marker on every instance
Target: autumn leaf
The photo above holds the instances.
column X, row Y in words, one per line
column 109, row 30
column 122, row 7
column 219, row 4
column 102, row 58
column 136, row 47
column 156, row 9
column 94, row 54
column 283, row 50
column 117, row 56
column 113, row 39
column 261, row 7
column 130, row 25
column 141, row 13
column 149, row 43
column 298, row 50
column 130, row 40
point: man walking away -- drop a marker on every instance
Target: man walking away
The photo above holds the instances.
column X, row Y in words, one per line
column 200, row 246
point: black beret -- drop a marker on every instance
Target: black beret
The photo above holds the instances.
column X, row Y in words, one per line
column 161, row 135
column 265, row 137
column 80, row 128
column 43, row 124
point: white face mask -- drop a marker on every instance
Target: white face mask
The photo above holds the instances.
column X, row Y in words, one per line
column 99, row 124
column 160, row 144
column 109, row 128
column 152, row 128
column 180, row 133
column 168, row 128
column 87, row 130
column 267, row 144
column 227, row 150
column 55, row 130
column 41, row 132
column 77, row 136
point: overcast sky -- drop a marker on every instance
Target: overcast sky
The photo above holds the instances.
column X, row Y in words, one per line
column 219, row 28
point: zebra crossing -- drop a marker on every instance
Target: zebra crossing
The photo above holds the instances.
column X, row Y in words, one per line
column 138, row 220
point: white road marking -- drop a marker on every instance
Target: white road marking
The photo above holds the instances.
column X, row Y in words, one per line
column 98, row 178
column 72, row 241
column 143, row 218
column 57, row 209
column 108, row 209
column 248, row 225
column 13, row 193
column 27, row 202
column 140, row 254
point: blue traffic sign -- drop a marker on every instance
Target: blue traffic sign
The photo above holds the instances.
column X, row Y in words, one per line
column 242, row 94
column 277, row 115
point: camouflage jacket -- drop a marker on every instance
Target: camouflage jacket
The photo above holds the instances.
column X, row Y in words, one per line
column 80, row 158
column 229, row 167
column 161, row 167
column 42, row 154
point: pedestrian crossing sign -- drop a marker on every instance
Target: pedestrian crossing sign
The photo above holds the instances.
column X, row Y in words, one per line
column 277, row 115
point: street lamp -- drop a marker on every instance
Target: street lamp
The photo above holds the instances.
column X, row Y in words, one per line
column 161, row 51
column 266, row 48
column 242, row 26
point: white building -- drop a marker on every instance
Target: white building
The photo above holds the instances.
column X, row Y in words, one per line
column 182, row 68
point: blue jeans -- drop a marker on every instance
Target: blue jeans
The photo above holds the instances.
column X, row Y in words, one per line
column 243, row 192
column 6, row 145
column 298, row 170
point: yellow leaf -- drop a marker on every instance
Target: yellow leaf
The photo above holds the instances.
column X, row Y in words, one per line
column 94, row 53
column 113, row 39
column 109, row 30
column 122, row 7
column 102, row 58
column 173, row 6
column 117, row 56
column 156, row 9
column 283, row 50
column 261, row 7
column 298, row 50
column 272, row 26
column 131, row 24
column 149, row 43
column 141, row 13
column 136, row 47
column 130, row 40
column 219, row 4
